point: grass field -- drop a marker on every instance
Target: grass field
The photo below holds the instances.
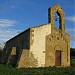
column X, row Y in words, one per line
column 9, row 70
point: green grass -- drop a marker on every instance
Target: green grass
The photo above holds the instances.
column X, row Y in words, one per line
column 9, row 70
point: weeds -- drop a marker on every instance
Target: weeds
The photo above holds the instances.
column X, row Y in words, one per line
column 9, row 70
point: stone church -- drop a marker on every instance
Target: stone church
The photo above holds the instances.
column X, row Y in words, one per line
column 40, row 46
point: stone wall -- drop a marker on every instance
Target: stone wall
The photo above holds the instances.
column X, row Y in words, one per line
column 57, row 41
column 24, row 59
column 27, row 60
column 37, row 42
column 21, row 41
column 12, row 60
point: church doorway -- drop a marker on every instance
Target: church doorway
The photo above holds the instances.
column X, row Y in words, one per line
column 57, row 58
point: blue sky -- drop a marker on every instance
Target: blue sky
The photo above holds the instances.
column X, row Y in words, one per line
column 18, row 15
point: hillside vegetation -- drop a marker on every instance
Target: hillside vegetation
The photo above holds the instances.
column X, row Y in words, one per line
column 9, row 70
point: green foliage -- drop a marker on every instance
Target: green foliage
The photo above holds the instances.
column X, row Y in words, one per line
column 73, row 62
column 72, row 53
column 9, row 70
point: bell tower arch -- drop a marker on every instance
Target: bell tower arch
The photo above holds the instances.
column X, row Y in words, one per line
column 56, row 9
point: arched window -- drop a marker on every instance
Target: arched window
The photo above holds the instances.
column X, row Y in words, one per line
column 56, row 20
column 56, row 17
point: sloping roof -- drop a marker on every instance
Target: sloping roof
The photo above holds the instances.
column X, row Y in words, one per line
column 26, row 31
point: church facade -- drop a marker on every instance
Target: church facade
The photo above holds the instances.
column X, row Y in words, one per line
column 40, row 46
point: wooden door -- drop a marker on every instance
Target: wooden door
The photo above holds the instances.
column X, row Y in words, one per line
column 58, row 58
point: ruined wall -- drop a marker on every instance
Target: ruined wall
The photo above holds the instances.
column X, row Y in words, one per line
column 37, row 43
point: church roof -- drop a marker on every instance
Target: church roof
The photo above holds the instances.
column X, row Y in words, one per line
column 26, row 31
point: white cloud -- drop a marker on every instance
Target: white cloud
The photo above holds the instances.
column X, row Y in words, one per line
column 6, row 22
column 6, row 30
column 71, row 18
column 1, row 46
column 72, row 37
column 7, row 34
column 71, row 32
